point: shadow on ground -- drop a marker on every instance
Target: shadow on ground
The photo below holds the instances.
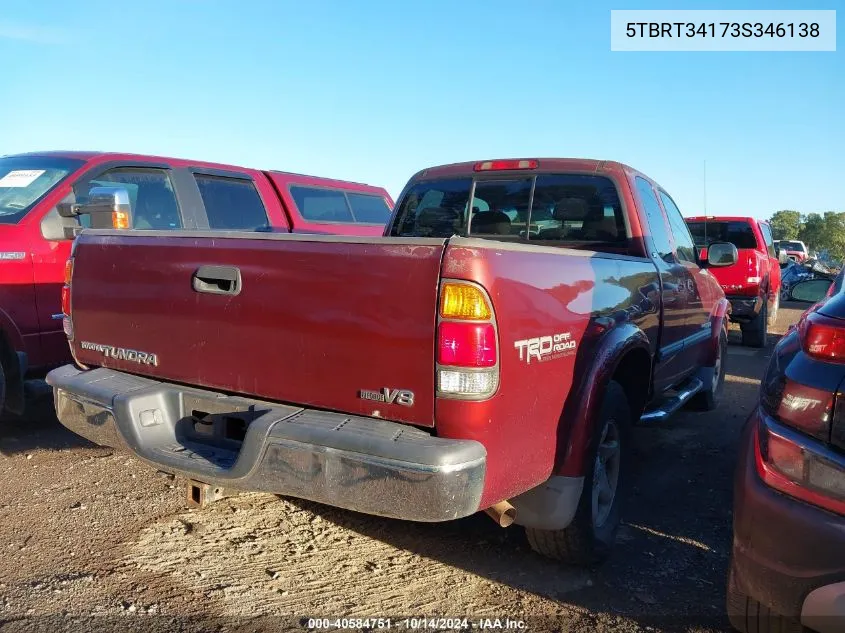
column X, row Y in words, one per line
column 38, row 428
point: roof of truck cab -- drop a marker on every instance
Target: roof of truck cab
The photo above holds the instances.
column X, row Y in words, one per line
column 185, row 162
column 545, row 165
column 724, row 218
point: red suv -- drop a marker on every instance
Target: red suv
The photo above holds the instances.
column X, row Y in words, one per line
column 752, row 284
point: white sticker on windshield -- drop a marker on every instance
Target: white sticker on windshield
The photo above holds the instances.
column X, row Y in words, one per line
column 20, row 177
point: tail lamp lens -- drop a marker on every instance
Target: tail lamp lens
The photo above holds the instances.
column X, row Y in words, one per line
column 800, row 468
column 65, row 300
column 68, row 270
column 823, row 338
column 467, row 355
column 467, row 344
column 464, row 301
column 498, row 165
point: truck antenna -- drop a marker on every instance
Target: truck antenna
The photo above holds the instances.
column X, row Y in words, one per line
column 706, row 244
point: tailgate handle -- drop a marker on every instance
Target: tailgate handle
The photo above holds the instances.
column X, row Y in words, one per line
column 217, row 280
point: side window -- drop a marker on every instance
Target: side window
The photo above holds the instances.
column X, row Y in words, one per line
column 767, row 238
column 656, row 222
column 151, row 196
column 231, row 203
column 684, row 245
column 322, row 205
column 369, row 209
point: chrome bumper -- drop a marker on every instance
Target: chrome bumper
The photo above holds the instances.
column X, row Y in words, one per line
column 362, row 464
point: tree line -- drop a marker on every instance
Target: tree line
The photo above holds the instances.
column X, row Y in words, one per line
column 820, row 232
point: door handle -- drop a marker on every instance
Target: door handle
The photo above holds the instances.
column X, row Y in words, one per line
column 217, row 280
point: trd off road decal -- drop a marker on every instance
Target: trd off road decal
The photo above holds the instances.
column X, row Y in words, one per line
column 543, row 348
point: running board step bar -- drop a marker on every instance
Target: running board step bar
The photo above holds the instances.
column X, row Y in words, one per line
column 673, row 403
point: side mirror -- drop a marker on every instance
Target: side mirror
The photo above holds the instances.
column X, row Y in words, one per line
column 810, row 291
column 721, row 254
column 782, row 257
column 109, row 208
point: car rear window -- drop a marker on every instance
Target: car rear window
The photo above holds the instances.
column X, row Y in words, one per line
column 549, row 208
column 791, row 246
column 334, row 205
column 740, row 234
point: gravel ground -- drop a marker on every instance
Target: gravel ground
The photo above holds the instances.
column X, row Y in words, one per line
column 91, row 539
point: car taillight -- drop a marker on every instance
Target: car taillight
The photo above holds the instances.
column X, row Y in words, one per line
column 799, row 467
column 499, row 165
column 467, row 347
column 823, row 337
column 67, row 322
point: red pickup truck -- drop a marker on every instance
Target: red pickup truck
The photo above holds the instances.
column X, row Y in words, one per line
column 489, row 353
column 752, row 285
column 164, row 194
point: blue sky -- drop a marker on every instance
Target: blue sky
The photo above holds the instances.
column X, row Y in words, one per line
column 376, row 89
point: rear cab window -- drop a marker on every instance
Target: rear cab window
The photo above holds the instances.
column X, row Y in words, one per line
column 575, row 210
column 231, row 203
column 324, row 204
column 737, row 232
column 25, row 180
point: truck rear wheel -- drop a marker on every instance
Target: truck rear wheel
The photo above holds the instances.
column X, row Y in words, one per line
column 590, row 537
column 754, row 332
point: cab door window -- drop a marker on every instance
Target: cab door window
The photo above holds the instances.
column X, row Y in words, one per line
column 151, row 196
column 684, row 246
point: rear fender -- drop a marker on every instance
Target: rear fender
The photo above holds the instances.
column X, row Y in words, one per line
column 581, row 409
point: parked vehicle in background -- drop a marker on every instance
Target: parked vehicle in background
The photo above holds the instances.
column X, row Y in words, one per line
column 795, row 250
column 491, row 353
column 163, row 194
column 752, row 285
column 788, row 560
column 793, row 272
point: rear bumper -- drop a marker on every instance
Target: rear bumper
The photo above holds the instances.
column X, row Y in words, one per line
column 362, row 464
column 787, row 554
column 744, row 308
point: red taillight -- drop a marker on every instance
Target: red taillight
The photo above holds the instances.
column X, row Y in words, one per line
column 823, row 337
column 499, row 165
column 67, row 322
column 65, row 300
column 800, row 468
column 467, row 354
column 467, row 344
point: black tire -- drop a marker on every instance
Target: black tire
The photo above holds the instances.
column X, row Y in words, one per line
column 747, row 615
column 587, row 541
column 754, row 333
column 714, row 379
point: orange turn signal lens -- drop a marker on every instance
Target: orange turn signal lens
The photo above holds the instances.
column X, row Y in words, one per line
column 120, row 220
column 68, row 270
column 464, row 301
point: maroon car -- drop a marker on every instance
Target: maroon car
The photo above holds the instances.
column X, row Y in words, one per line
column 788, row 562
column 490, row 352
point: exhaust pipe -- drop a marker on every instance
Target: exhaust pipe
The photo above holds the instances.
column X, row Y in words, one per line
column 503, row 513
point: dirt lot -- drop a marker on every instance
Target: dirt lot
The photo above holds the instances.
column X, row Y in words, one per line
column 94, row 540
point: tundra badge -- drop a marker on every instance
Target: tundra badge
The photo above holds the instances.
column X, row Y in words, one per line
column 121, row 353
column 389, row 396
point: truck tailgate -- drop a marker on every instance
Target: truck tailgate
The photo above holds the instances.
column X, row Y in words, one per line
column 316, row 319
